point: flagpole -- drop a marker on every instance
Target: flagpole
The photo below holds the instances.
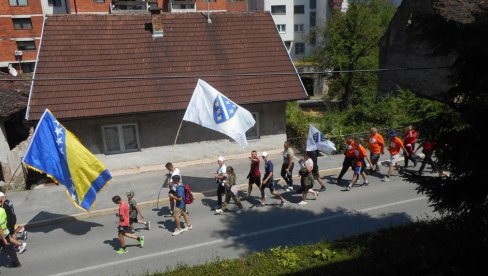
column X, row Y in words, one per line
column 178, row 132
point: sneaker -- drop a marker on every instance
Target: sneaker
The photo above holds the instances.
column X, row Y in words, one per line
column 322, row 189
column 316, row 195
column 219, row 211
column 288, row 189
column 189, row 227
column 177, row 232
column 22, row 247
column 141, row 241
column 385, row 179
column 122, row 251
column 339, row 180
column 283, row 203
column 148, row 225
column 348, row 188
column 239, row 211
column 302, row 203
column 185, row 229
column 366, row 183
column 14, row 266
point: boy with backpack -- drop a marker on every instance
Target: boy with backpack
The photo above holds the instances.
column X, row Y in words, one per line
column 180, row 203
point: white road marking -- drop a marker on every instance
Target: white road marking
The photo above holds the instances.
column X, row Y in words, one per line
column 162, row 253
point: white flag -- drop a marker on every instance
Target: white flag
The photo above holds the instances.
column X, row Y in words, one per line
column 209, row 108
column 316, row 141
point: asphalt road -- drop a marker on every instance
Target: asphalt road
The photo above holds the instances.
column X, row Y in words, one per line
column 87, row 247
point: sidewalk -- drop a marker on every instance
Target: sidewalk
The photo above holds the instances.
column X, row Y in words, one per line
column 50, row 204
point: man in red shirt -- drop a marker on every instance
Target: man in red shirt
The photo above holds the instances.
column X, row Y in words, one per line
column 348, row 158
column 254, row 175
column 410, row 139
column 124, row 228
column 394, row 147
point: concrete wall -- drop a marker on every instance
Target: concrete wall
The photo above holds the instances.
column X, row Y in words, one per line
column 4, row 149
column 157, row 132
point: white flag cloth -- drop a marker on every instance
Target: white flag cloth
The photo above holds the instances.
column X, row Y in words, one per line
column 210, row 109
column 316, row 141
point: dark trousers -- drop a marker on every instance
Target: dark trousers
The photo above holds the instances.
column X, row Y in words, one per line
column 410, row 154
column 10, row 250
column 346, row 164
column 220, row 192
column 427, row 159
column 287, row 176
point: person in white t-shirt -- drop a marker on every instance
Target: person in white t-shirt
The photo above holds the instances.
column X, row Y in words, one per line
column 172, row 171
column 220, row 175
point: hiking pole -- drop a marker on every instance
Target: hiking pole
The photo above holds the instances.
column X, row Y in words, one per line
column 157, row 201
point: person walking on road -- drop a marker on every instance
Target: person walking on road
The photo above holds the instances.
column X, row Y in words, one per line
column 306, row 179
column 287, row 167
column 230, row 191
column 376, row 145
column 348, row 158
column 220, row 176
column 394, row 147
column 315, row 172
column 268, row 181
column 172, row 171
column 135, row 212
column 5, row 236
column 8, row 206
column 254, row 175
column 428, row 150
column 180, row 207
column 410, row 140
column 359, row 164
column 124, row 228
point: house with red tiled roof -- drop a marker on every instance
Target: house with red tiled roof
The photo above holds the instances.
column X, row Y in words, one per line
column 121, row 83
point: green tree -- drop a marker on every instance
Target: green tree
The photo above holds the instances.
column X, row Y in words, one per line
column 350, row 42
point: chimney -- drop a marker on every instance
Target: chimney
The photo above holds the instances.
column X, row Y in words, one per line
column 157, row 23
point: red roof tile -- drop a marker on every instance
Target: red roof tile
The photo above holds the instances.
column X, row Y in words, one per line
column 13, row 94
column 111, row 64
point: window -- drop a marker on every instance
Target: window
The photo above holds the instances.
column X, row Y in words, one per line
column 22, row 23
column 299, row 28
column 253, row 132
column 17, row 2
column 120, row 138
column 299, row 48
column 300, row 9
column 28, row 67
column 312, row 37
column 55, row 3
column 281, row 28
column 313, row 4
column 99, row 1
column 29, row 45
column 312, row 19
column 278, row 9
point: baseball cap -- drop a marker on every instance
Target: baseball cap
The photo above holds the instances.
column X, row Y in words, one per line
column 130, row 193
column 2, row 194
column 221, row 159
column 264, row 154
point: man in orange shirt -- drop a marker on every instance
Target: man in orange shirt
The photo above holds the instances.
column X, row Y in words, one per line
column 124, row 228
column 394, row 147
column 348, row 158
column 359, row 165
column 376, row 145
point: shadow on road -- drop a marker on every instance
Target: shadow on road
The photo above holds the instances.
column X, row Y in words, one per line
column 73, row 226
column 261, row 228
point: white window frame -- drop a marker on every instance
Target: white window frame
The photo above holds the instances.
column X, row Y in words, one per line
column 281, row 28
column 258, row 133
column 121, row 138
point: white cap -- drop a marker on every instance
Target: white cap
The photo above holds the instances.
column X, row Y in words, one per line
column 221, row 159
column 2, row 194
column 264, row 154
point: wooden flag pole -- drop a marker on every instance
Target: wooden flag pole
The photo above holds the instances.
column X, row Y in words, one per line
column 178, row 132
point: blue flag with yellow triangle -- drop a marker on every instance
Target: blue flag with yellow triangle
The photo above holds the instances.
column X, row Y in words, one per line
column 57, row 152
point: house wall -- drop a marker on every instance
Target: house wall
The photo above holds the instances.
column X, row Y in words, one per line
column 4, row 149
column 221, row 5
column 89, row 6
column 157, row 132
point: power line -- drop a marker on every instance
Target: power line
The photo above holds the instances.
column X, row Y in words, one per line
column 149, row 77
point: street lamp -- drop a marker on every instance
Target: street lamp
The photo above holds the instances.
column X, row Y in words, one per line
column 18, row 55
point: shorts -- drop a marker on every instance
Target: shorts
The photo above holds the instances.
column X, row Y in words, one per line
column 270, row 184
column 374, row 157
column 133, row 220
column 178, row 212
column 255, row 180
column 394, row 159
column 124, row 229
column 359, row 169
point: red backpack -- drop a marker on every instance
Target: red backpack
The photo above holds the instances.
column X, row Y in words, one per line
column 188, row 195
